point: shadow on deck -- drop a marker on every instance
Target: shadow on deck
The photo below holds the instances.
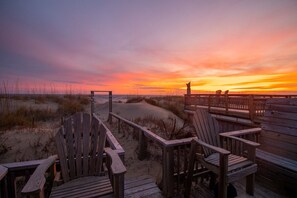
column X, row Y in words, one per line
column 202, row 190
column 144, row 186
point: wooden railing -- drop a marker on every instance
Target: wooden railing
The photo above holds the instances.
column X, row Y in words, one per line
column 240, row 105
column 26, row 168
column 175, row 156
column 237, row 147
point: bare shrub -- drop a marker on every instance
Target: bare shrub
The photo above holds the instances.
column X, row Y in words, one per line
column 167, row 129
column 3, row 147
column 69, row 107
column 134, row 100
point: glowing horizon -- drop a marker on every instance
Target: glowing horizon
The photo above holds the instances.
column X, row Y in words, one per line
column 149, row 47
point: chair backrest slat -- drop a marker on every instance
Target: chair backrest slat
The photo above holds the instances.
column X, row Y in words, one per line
column 99, row 159
column 86, row 143
column 81, row 136
column 207, row 129
column 77, row 136
column 94, row 143
column 70, row 146
column 60, row 143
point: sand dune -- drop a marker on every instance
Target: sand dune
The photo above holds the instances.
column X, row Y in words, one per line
column 132, row 111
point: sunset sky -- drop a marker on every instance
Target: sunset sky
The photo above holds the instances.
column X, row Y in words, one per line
column 149, row 47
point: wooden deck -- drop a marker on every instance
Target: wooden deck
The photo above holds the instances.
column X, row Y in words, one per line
column 202, row 190
column 143, row 186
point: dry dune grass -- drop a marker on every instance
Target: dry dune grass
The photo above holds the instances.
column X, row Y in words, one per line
column 33, row 109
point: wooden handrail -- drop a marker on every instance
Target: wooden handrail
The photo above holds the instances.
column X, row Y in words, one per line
column 174, row 154
column 248, row 106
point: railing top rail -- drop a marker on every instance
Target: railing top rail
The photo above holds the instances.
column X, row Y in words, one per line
column 111, row 139
column 151, row 135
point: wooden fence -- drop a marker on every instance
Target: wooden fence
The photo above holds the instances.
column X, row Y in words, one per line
column 175, row 156
column 250, row 107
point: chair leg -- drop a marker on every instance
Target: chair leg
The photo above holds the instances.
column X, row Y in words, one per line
column 250, row 184
column 223, row 180
column 212, row 182
column 223, row 186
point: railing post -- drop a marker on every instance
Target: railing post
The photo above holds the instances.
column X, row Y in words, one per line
column 92, row 102
column 11, row 184
column 168, row 171
column 110, row 105
column 251, row 107
column 142, row 145
column 209, row 102
column 226, row 103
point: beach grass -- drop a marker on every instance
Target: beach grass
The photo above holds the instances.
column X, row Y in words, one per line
column 12, row 115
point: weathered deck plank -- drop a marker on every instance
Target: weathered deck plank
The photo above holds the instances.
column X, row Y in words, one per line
column 143, row 186
column 202, row 190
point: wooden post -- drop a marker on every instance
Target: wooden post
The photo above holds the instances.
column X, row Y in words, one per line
column 223, row 176
column 92, row 102
column 118, row 185
column 110, row 106
column 168, row 171
column 11, row 184
column 226, row 102
column 142, row 145
column 250, row 179
column 3, row 187
column 209, row 102
column 190, row 167
column 251, row 107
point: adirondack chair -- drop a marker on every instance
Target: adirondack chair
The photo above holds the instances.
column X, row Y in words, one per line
column 81, row 149
column 3, row 187
column 227, row 166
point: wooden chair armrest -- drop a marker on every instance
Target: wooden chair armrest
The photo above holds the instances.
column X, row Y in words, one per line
column 3, row 172
column 117, row 166
column 242, row 132
column 219, row 150
column 247, row 142
column 37, row 180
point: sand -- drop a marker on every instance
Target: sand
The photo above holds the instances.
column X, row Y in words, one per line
column 131, row 111
column 38, row 143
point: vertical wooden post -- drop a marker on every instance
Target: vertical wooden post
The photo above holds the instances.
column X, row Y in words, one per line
column 110, row 106
column 168, row 171
column 11, row 184
column 209, row 102
column 92, row 102
column 3, row 186
column 251, row 107
column 142, row 145
column 188, row 183
column 250, row 179
column 223, row 176
column 118, row 185
column 226, row 103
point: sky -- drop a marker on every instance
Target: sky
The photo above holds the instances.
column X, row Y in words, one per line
column 148, row 47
